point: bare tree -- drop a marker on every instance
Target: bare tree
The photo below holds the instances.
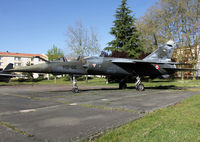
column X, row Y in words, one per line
column 171, row 19
column 178, row 20
column 81, row 41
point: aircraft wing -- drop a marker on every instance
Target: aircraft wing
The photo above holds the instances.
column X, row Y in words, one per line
column 179, row 69
column 149, row 68
column 9, row 75
column 130, row 61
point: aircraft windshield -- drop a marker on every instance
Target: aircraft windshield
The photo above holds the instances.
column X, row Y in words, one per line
column 89, row 58
column 61, row 59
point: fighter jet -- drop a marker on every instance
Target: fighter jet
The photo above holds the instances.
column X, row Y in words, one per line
column 6, row 76
column 157, row 64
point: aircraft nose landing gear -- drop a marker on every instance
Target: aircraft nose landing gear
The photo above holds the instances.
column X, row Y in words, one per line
column 75, row 87
column 138, row 85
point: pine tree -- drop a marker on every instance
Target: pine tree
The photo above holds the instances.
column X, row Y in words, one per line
column 125, row 33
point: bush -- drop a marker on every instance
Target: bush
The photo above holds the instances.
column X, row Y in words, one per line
column 66, row 78
column 51, row 77
column 30, row 80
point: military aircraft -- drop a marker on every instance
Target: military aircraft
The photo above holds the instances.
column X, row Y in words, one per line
column 157, row 64
column 6, row 76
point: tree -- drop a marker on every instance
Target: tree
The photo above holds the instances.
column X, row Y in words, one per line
column 83, row 42
column 178, row 20
column 27, row 74
column 54, row 53
column 126, row 36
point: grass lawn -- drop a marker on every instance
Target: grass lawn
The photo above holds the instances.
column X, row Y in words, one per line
column 93, row 82
column 177, row 83
column 102, row 81
column 180, row 123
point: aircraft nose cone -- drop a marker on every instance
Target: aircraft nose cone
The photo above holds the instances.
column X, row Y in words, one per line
column 34, row 68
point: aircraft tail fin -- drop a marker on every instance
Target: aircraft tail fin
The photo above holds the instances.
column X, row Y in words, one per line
column 4, row 75
column 9, row 66
column 163, row 53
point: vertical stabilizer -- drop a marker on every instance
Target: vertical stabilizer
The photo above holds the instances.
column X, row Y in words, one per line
column 163, row 53
column 6, row 76
column 9, row 66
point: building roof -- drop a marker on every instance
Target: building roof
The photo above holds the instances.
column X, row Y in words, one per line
column 21, row 54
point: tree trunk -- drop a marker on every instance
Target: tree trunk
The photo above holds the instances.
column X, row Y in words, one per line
column 86, row 78
column 182, row 75
column 55, row 79
column 193, row 72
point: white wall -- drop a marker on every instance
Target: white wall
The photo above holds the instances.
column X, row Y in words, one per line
column 5, row 60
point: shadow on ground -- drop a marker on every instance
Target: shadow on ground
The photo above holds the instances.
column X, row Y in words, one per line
column 171, row 87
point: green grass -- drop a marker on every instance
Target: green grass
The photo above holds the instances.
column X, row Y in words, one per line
column 177, row 83
column 15, row 129
column 102, row 81
column 93, row 82
column 180, row 123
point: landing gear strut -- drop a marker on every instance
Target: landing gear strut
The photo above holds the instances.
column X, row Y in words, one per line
column 74, row 83
column 138, row 85
column 122, row 84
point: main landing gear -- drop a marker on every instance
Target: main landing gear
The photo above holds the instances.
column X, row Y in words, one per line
column 74, row 83
column 138, row 85
column 122, row 84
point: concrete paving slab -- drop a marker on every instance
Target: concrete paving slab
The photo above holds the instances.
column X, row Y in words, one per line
column 67, row 123
column 9, row 103
column 54, row 113
column 8, row 135
column 131, row 100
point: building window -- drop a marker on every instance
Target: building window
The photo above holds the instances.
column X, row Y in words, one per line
column 32, row 59
column 17, row 64
column 1, row 64
column 17, row 58
column 0, row 57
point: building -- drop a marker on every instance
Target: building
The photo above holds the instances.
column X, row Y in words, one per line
column 184, row 55
column 20, row 59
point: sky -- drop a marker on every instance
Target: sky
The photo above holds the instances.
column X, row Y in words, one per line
column 33, row 26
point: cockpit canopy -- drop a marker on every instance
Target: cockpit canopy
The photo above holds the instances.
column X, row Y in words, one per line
column 61, row 59
column 89, row 58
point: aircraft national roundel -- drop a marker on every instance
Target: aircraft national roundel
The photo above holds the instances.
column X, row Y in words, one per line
column 94, row 65
column 157, row 67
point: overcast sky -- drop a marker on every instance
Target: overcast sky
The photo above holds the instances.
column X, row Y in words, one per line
column 33, row 26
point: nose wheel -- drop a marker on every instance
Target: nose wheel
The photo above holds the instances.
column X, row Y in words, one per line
column 75, row 90
column 138, row 85
column 75, row 87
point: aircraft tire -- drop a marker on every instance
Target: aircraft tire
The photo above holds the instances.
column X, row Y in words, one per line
column 75, row 90
column 122, row 86
column 140, row 87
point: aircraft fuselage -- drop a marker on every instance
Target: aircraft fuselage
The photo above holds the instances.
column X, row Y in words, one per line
column 97, row 66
